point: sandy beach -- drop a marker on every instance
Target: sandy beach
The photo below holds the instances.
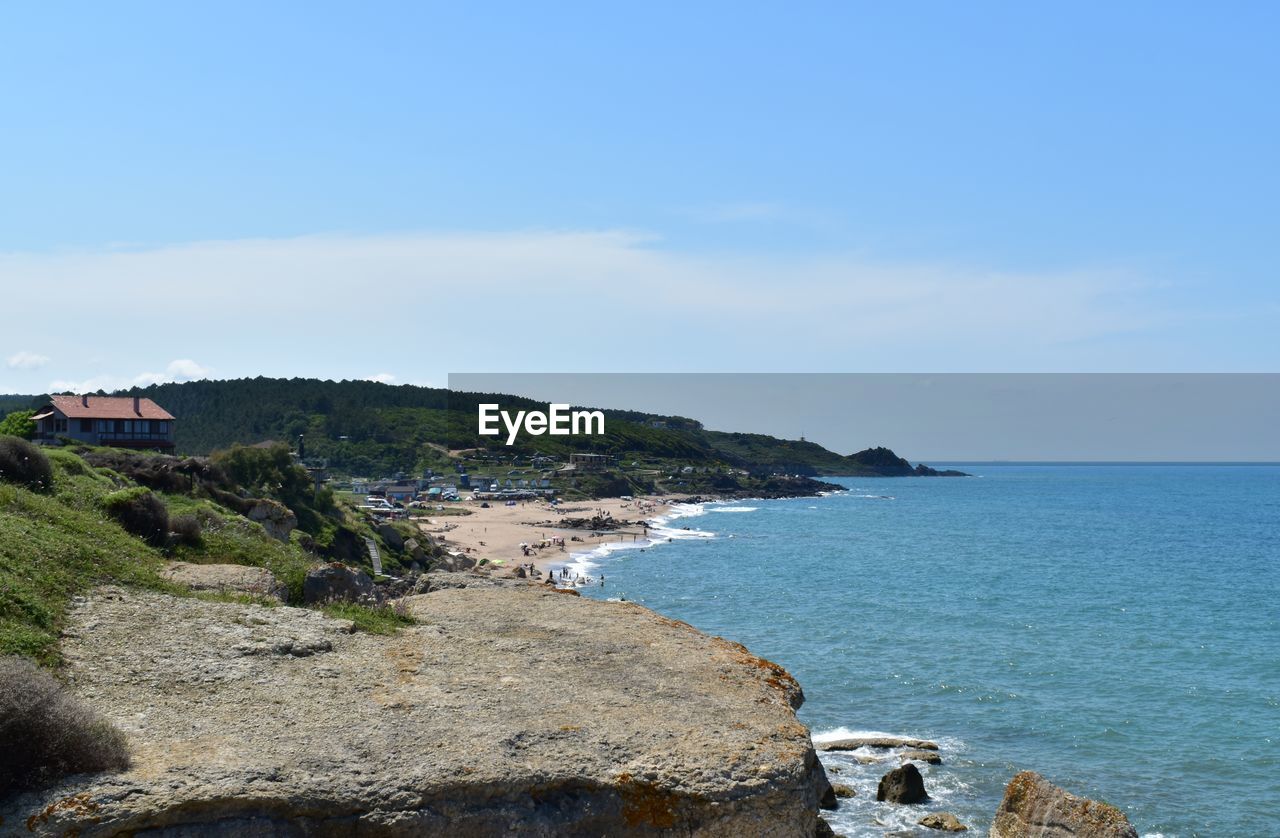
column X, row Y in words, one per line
column 498, row 532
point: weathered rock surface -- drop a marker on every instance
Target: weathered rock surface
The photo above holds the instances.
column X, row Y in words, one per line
column 391, row 536
column 855, row 742
column 902, row 785
column 224, row 578
column 276, row 518
column 455, row 562
column 1033, row 806
column 842, row 790
column 442, row 579
column 415, row 551
column 506, row 711
column 335, row 582
column 944, row 821
column 931, row 757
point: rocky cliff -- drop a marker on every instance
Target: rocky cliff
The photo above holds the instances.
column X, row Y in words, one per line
column 505, row 711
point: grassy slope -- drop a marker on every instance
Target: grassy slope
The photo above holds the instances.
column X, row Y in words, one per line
column 54, row 546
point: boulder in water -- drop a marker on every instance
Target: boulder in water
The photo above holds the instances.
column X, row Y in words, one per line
column 944, row 821
column 1033, row 806
column 902, row 785
column 853, row 743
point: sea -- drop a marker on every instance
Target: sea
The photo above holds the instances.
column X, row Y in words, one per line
column 1114, row 627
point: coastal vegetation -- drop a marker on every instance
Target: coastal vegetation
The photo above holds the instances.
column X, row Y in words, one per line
column 60, row 735
column 74, row 519
column 18, row 423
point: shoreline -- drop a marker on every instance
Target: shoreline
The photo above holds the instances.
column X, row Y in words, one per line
column 562, row 539
column 534, row 532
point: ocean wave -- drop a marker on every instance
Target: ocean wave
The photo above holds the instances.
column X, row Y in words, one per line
column 583, row 564
column 734, row 509
column 835, row 733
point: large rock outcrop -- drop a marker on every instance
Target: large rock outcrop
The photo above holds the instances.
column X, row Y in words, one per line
column 505, row 711
column 1035, row 808
column 276, row 518
column 335, row 582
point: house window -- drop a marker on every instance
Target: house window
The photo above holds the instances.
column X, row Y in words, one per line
column 86, row 426
column 59, row 426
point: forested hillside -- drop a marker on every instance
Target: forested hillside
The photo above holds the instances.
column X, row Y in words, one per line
column 368, row 428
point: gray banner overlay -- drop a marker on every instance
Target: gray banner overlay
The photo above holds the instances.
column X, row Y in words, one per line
column 949, row 417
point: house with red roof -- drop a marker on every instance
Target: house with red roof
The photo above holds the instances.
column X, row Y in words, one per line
column 121, row 421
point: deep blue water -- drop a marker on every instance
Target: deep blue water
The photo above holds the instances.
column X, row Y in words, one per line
column 1116, row 628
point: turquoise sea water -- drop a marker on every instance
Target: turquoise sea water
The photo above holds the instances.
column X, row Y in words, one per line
column 1116, row 628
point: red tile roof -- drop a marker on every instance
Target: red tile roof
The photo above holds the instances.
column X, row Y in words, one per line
column 108, row 407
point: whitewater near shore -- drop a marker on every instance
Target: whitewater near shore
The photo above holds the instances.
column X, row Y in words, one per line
column 513, row 535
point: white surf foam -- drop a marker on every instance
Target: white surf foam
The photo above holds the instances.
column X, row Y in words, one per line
column 583, row 564
column 855, row 733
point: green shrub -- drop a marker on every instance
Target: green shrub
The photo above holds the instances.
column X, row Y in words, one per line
column 141, row 513
column 375, row 619
column 48, row 732
column 186, row 530
column 24, row 464
column 19, row 423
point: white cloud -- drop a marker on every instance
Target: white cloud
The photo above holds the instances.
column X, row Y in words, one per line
column 107, row 383
column 382, row 378
column 25, row 360
column 182, row 369
column 185, row 369
column 608, row 300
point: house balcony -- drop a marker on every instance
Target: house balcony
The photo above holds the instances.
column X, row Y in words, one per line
column 135, row 440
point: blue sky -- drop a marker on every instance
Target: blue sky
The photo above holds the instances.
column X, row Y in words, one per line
column 405, row 190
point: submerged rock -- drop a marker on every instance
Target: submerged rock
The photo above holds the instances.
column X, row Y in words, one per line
column 509, row 710
column 902, row 785
column 931, row 757
column 1033, row 806
column 944, row 821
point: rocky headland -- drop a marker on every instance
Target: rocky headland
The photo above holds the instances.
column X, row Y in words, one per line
column 508, row 709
